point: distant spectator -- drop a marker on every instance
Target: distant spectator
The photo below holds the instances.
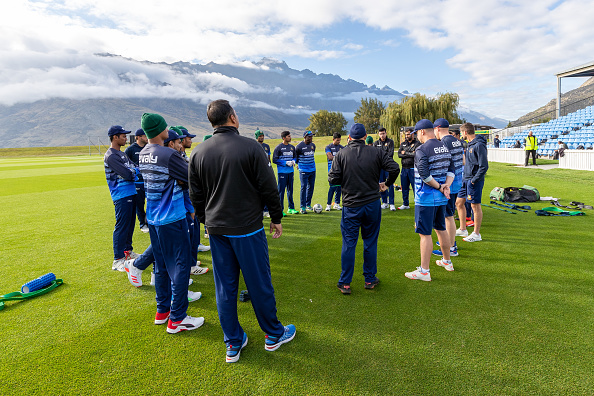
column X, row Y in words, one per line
column 560, row 150
column 496, row 141
column 518, row 144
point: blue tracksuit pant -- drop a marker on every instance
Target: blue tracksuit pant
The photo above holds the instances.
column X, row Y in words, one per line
column 334, row 190
column 407, row 180
column 308, row 182
column 368, row 219
column 248, row 254
column 387, row 196
column 140, row 198
column 285, row 181
column 124, row 226
column 171, row 247
column 146, row 258
column 194, row 227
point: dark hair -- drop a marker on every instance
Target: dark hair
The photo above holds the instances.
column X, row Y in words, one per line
column 284, row 134
column 456, row 132
column 336, row 135
column 382, row 129
column 468, row 128
column 167, row 144
column 218, row 112
column 111, row 138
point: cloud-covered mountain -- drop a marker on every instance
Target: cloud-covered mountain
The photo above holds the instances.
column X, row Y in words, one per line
column 68, row 98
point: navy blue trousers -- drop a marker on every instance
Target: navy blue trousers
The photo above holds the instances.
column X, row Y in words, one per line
column 387, row 196
column 407, row 180
column 171, row 247
column 285, row 181
column 248, row 254
column 367, row 218
column 140, row 197
column 194, row 227
column 334, row 190
column 124, row 226
column 308, row 182
column 146, row 258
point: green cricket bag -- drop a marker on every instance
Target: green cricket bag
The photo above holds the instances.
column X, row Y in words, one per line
column 497, row 194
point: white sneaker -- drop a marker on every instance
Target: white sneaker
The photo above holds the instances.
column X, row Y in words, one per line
column 189, row 323
column 266, row 214
column 417, row 274
column 131, row 255
column 144, row 229
column 206, row 235
column 134, row 274
column 474, row 237
column 193, row 296
column 119, row 265
column 448, row 267
column 385, row 206
column 462, row 233
column 403, row 207
column 337, row 206
column 328, row 207
column 392, row 208
column 198, row 270
column 203, row 248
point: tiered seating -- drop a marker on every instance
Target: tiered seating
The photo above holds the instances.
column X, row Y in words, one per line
column 575, row 129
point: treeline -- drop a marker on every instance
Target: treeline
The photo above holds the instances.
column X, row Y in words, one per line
column 373, row 114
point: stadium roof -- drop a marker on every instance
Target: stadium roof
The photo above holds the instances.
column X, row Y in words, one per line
column 586, row 70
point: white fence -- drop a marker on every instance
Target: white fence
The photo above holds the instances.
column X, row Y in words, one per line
column 507, row 155
column 577, row 159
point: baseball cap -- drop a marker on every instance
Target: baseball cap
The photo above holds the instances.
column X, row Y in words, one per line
column 116, row 130
column 441, row 123
column 357, row 131
column 187, row 134
column 172, row 136
column 140, row 132
column 423, row 124
column 307, row 133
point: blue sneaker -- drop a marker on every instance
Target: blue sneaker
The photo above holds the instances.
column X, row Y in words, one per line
column 453, row 252
column 455, row 244
column 233, row 352
column 272, row 343
column 437, row 252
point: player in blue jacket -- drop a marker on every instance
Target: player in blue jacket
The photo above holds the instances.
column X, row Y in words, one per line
column 121, row 173
column 305, row 160
column 132, row 152
column 284, row 158
column 334, row 190
column 434, row 174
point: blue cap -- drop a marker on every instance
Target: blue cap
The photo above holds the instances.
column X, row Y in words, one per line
column 186, row 133
column 441, row 123
column 423, row 124
column 357, row 131
column 140, row 132
column 116, row 130
column 307, row 133
column 172, row 136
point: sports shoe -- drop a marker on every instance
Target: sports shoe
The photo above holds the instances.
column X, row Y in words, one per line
column 453, row 251
column 266, row 214
column 193, row 296
column 130, row 255
column 303, row 211
column 448, row 267
column 403, row 207
column 206, row 235
column 462, row 233
column 328, row 207
column 470, row 223
column 345, row 288
column 272, row 343
column 371, row 285
column 284, row 214
column 144, row 229
column 233, row 352
column 188, row 323
column 203, row 248
column 336, row 206
column 119, row 265
column 437, row 252
column 385, row 206
column 161, row 318
column 309, row 208
column 417, row 274
column 474, row 237
column 292, row 211
column 134, row 274
column 392, row 208
column 198, row 270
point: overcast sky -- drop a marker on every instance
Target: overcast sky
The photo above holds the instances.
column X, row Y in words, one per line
column 500, row 56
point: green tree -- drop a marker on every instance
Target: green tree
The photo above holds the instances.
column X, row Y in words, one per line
column 325, row 123
column 414, row 108
column 369, row 114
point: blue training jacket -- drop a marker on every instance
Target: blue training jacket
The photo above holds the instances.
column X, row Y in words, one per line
column 457, row 151
column 120, row 173
column 163, row 168
column 305, row 157
column 282, row 154
column 332, row 148
column 432, row 161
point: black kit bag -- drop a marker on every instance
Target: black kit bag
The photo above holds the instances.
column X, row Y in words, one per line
column 518, row 194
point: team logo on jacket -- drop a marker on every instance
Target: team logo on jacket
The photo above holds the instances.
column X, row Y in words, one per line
column 470, row 151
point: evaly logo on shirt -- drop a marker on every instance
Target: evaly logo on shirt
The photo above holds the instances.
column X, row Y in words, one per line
column 441, row 149
column 148, row 159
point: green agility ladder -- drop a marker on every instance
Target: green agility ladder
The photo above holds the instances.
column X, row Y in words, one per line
column 495, row 207
column 32, row 289
column 553, row 211
column 512, row 206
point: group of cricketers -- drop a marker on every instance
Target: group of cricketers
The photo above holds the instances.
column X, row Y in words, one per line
column 229, row 186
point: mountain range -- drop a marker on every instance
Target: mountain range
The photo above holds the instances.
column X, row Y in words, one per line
column 96, row 91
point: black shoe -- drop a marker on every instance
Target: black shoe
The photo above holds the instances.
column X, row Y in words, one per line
column 344, row 288
column 371, row 285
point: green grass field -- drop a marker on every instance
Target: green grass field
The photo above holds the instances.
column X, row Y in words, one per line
column 514, row 318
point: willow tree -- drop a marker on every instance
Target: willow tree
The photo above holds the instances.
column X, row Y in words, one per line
column 414, row 108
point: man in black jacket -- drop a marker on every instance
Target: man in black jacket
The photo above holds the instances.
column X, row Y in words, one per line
column 386, row 144
column 230, row 182
column 406, row 152
column 356, row 168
